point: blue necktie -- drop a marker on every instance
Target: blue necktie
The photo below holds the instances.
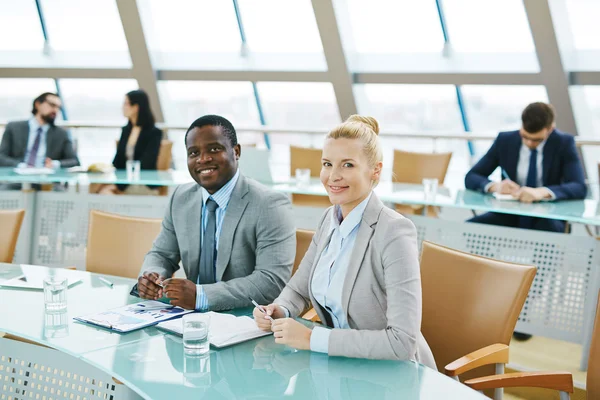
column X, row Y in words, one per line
column 31, row 159
column 207, row 256
column 527, row 222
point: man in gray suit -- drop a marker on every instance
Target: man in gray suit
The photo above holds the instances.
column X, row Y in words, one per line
column 234, row 237
column 37, row 142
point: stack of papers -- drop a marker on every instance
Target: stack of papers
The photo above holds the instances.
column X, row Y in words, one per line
column 505, row 197
column 134, row 316
column 15, row 278
column 225, row 329
column 33, row 171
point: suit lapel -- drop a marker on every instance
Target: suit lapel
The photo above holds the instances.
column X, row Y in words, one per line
column 363, row 238
column 235, row 209
column 320, row 247
column 195, row 244
column 549, row 150
column 22, row 137
column 515, row 146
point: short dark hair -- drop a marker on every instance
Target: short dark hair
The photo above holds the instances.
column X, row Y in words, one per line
column 215, row 120
column 537, row 116
column 145, row 118
column 40, row 99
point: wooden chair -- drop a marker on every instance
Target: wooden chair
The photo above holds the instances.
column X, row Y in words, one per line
column 470, row 308
column 10, row 221
column 117, row 244
column 303, row 157
column 303, row 239
column 559, row 380
column 412, row 167
column 163, row 163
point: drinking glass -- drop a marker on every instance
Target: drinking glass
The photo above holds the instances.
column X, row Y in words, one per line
column 55, row 294
column 195, row 334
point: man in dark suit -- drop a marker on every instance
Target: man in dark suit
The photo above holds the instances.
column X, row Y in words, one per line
column 538, row 162
column 37, row 142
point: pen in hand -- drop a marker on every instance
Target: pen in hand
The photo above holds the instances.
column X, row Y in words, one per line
column 260, row 308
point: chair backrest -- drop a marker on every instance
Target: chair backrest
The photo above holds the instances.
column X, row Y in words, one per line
column 303, row 239
column 10, row 221
column 593, row 372
column 469, row 302
column 163, row 163
column 117, row 244
column 412, row 167
column 304, row 157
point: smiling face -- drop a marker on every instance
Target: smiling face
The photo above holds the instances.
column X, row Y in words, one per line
column 346, row 173
column 212, row 161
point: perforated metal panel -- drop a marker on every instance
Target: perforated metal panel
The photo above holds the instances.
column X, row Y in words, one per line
column 13, row 199
column 28, row 371
column 563, row 294
column 61, row 224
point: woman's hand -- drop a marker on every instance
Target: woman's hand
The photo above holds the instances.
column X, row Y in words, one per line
column 263, row 321
column 292, row 333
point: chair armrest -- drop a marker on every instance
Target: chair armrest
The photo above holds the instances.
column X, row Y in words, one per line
column 493, row 354
column 311, row 315
column 561, row 381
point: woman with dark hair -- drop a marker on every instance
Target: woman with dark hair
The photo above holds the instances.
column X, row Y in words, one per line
column 140, row 141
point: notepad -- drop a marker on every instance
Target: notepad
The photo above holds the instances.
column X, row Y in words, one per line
column 134, row 316
column 225, row 329
column 33, row 171
column 31, row 282
column 505, row 197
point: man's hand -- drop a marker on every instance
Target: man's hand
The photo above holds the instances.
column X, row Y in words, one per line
column 505, row 187
column 148, row 286
column 48, row 163
column 291, row 332
column 182, row 293
column 531, row 195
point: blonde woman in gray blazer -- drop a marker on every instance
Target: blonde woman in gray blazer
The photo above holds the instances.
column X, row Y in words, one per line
column 361, row 271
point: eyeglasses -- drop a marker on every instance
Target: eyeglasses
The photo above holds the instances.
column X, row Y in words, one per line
column 54, row 105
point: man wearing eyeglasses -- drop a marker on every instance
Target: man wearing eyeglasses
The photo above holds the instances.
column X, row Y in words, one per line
column 538, row 163
column 37, row 142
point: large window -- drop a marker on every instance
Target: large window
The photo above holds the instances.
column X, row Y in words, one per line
column 487, row 26
column 97, row 100
column 583, row 18
column 20, row 27
column 16, row 96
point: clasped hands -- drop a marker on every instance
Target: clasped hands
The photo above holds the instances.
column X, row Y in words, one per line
column 181, row 292
column 523, row 193
column 287, row 331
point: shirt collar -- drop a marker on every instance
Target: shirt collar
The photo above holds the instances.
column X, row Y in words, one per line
column 223, row 195
column 351, row 221
column 34, row 125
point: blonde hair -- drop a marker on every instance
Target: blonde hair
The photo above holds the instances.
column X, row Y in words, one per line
column 365, row 129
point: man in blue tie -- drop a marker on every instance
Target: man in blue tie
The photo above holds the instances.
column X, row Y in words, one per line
column 538, row 163
column 37, row 142
column 234, row 237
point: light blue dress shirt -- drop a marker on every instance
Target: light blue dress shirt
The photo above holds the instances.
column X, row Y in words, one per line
column 221, row 197
column 328, row 279
column 40, row 158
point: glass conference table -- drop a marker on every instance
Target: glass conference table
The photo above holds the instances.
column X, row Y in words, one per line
column 152, row 363
column 576, row 211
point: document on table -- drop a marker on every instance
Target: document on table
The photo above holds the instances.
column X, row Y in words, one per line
column 18, row 280
column 134, row 316
column 505, row 197
column 33, row 171
column 225, row 329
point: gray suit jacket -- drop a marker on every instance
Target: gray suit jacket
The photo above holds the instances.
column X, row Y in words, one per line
column 14, row 145
column 256, row 247
column 382, row 289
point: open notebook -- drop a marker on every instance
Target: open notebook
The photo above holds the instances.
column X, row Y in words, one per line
column 225, row 329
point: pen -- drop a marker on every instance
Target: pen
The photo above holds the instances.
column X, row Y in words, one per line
column 504, row 174
column 260, row 308
column 106, row 281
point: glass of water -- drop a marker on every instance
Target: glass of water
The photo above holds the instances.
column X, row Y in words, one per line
column 133, row 169
column 55, row 294
column 302, row 176
column 195, row 333
column 430, row 188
